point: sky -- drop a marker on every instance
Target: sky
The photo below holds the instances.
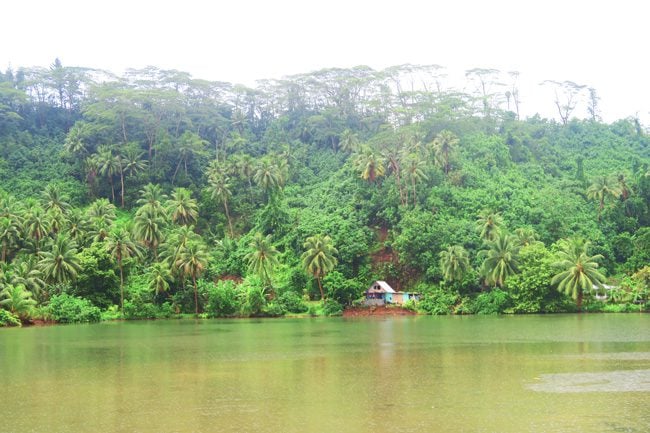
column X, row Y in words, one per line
column 601, row 44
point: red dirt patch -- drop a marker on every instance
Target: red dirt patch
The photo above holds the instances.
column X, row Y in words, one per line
column 377, row 311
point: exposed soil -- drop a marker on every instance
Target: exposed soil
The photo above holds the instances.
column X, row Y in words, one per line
column 377, row 311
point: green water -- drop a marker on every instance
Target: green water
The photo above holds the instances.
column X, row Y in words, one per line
column 588, row 373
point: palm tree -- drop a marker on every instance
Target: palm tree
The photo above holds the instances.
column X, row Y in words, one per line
column 578, row 272
column 26, row 273
column 415, row 170
column 53, row 199
column 318, row 258
column 444, row 147
column 489, row 225
column 246, row 169
column 192, row 261
column 623, row 187
column 151, row 198
column 262, row 258
column 131, row 163
column 108, row 165
column 220, row 190
column 183, row 208
column 56, row 220
column 77, row 226
column 175, row 243
column 147, row 228
column 268, row 176
column 91, row 166
column 102, row 208
column 9, row 236
column 36, row 225
column 602, row 188
column 121, row 246
column 158, row 278
column 454, row 263
column 60, row 264
column 17, row 300
column 74, row 141
column 189, row 144
column 348, row 141
column 500, row 260
column 370, row 164
column 526, row 236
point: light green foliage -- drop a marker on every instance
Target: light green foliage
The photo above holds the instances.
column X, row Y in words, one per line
column 494, row 301
column 7, row 318
column 223, row 298
column 331, row 308
column 292, row 302
column 18, row 301
column 69, row 309
column 500, row 259
column 340, row 289
column 437, row 301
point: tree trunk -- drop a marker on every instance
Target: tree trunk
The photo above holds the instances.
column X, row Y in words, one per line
column 4, row 251
column 225, row 205
column 415, row 196
column 121, row 287
column 122, row 181
column 110, row 180
column 579, row 301
column 196, row 296
column 320, row 287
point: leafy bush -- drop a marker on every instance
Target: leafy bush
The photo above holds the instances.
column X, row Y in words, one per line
column 223, row 299
column 136, row 309
column 292, row 302
column 8, row 319
column 255, row 297
column 332, row 308
column 438, row 302
column 493, row 302
column 340, row 289
column 273, row 309
column 70, row 309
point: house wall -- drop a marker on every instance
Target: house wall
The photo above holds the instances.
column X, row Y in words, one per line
column 398, row 298
column 374, row 302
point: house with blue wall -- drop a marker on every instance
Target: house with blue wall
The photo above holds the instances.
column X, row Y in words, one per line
column 381, row 293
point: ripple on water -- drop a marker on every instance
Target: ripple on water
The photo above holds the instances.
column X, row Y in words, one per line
column 608, row 381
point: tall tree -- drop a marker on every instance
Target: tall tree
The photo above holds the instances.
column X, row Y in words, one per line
column 120, row 246
column 183, row 209
column 220, row 190
column 370, row 164
column 319, row 258
column 578, row 272
column 489, row 224
column 108, row 165
column 444, row 149
column 147, row 228
column 60, row 264
column 454, row 263
column 262, row 258
column 601, row 188
column 192, row 261
column 500, row 260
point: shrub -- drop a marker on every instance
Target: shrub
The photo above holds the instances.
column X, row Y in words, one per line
column 493, row 302
column 438, row 302
column 255, row 297
column 7, row 318
column 222, row 299
column 292, row 302
column 69, row 309
column 273, row 309
column 332, row 308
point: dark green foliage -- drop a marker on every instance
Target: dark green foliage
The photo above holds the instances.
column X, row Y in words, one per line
column 222, row 299
column 65, row 308
column 98, row 280
column 292, row 302
column 438, row 301
column 494, row 301
column 340, row 289
column 332, row 308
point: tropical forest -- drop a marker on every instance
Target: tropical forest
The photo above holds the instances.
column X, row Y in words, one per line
column 153, row 194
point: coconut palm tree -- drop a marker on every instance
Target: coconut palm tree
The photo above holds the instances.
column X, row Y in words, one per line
column 500, row 260
column 77, row 226
column 36, row 225
column 220, row 190
column 578, row 272
column 120, row 246
column 9, row 235
column 60, row 264
column 489, row 225
column 370, row 164
column 262, row 258
column 189, row 144
column 182, row 207
column 17, row 300
column 318, row 258
column 348, row 141
column 158, row 278
column 268, row 176
column 454, row 263
column 444, row 147
column 246, row 170
column 108, row 165
column 151, row 198
column 131, row 163
column 102, row 208
column 415, row 170
column 602, row 188
column 192, row 261
column 53, row 199
column 526, row 236
column 147, row 228
column 27, row 274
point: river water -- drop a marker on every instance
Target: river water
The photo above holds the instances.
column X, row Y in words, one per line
column 555, row 373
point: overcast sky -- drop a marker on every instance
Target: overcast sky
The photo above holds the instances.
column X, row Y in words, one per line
column 602, row 44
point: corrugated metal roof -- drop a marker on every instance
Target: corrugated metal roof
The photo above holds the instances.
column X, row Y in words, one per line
column 384, row 287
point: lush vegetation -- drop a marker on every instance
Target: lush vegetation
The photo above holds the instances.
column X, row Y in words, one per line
column 155, row 194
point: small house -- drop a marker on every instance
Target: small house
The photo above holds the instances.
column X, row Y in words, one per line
column 381, row 293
